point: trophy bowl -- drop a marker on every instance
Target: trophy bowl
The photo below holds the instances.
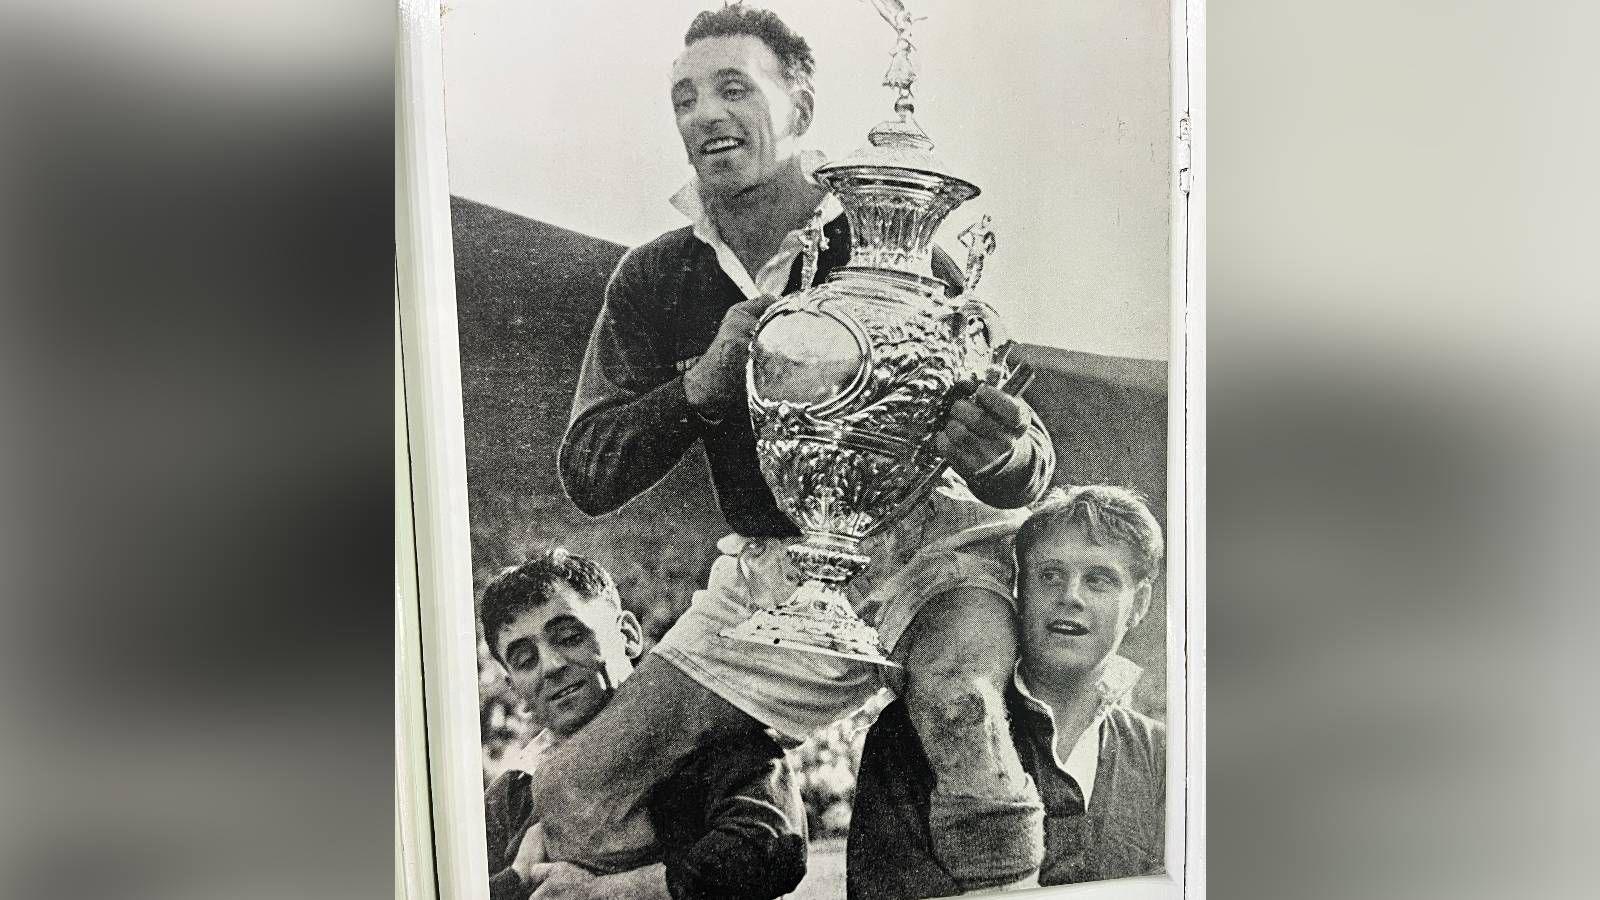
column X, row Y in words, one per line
column 848, row 381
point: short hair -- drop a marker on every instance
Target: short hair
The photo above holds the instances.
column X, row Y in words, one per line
column 1108, row 514
column 736, row 19
column 527, row 585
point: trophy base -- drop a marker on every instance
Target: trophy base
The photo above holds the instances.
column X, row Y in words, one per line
column 815, row 619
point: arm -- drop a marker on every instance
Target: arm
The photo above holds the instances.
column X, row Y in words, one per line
column 565, row 881
column 754, row 847
column 505, row 818
column 631, row 421
column 1024, row 475
column 997, row 444
column 985, row 816
column 1004, row 455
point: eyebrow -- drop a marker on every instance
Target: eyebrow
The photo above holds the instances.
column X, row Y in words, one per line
column 562, row 621
column 726, row 72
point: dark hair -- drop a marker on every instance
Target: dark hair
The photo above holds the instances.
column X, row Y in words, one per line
column 737, row 19
column 1110, row 515
column 527, row 585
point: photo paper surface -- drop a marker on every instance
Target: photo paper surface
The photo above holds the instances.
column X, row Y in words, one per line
column 616, row 189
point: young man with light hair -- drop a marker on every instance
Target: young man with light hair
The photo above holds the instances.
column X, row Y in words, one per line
column 1086, row 561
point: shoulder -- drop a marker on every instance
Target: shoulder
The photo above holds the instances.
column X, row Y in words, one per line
column 1140, row 735
column 672, row 246
column 643, row 269
column 509, row 792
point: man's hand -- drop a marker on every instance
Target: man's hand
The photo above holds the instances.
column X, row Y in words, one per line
column 530, row 852
column 982, row 432
column 565, row 881
column 715, row 384
column 562, row 881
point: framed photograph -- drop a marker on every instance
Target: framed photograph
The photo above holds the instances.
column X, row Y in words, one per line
column 632, row 239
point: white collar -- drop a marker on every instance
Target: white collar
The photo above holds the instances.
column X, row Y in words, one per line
column 1083, row 760
column 774, row 275
column 527, row 757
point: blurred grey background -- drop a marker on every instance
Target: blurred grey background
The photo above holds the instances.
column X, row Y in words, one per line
column 196, row 270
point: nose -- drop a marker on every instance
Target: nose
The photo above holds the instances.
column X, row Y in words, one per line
column 708, row 108
column 1074, row 594
column 551, row 661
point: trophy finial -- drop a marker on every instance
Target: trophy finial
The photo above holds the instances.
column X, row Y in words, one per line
column 902, row 72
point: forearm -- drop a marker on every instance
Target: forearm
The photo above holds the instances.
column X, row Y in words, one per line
column 738, row 867
column 617, row 450
column 1024, row 476
column 755, row 844
column 507, row 884
column 644, row 883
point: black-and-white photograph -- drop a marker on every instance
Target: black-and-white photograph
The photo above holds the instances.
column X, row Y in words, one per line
column 814, row 364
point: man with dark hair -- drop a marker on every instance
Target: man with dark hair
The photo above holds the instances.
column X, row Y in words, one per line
column 665, row 369
column 729, row 824
column 1085, row 560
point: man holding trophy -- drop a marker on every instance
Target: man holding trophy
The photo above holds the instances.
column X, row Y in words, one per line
column 884, row 437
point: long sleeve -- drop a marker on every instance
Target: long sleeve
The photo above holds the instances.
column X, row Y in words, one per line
column 631, row 421
column 754, row 841
column 1024, row 477
column 506, row 820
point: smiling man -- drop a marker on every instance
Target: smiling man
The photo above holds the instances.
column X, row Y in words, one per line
column 730, row 823
column 664, row 371
column 1085, row 560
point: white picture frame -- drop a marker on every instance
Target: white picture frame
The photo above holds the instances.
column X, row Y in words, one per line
column 439, row 789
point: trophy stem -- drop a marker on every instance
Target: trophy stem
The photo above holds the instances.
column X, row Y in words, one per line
column 817, row 617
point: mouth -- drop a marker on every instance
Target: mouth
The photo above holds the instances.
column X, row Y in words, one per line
column 720, row 145
column 1068, row 627
column 564, row 693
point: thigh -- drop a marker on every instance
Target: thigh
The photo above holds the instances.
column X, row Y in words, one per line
column 658, row 717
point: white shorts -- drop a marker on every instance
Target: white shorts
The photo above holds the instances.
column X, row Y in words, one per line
column 950, row 541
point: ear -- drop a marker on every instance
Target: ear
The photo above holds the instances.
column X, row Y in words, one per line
column 804, row 109
column 632, row 634
column 1141, row 605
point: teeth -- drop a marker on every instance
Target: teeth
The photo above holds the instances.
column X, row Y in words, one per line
column 719, row 144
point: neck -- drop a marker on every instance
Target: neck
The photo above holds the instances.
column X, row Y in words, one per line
column 1072, row 696
column 754, row 221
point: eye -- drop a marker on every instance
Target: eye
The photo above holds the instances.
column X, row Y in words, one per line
column 1052, row 576
column 1102, row 582
column 570, row 638
column 519, row 659
column 683, row 105
column 733, row 91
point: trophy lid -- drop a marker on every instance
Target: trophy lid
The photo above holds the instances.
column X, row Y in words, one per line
column 902, row 144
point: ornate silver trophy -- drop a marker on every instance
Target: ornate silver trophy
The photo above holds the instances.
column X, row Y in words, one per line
column 849, row 380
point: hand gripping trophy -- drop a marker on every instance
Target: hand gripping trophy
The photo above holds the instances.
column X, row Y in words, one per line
column 849, row 381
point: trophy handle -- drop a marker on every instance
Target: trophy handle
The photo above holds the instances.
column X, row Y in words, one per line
column 813, row 242
column 984, row 329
